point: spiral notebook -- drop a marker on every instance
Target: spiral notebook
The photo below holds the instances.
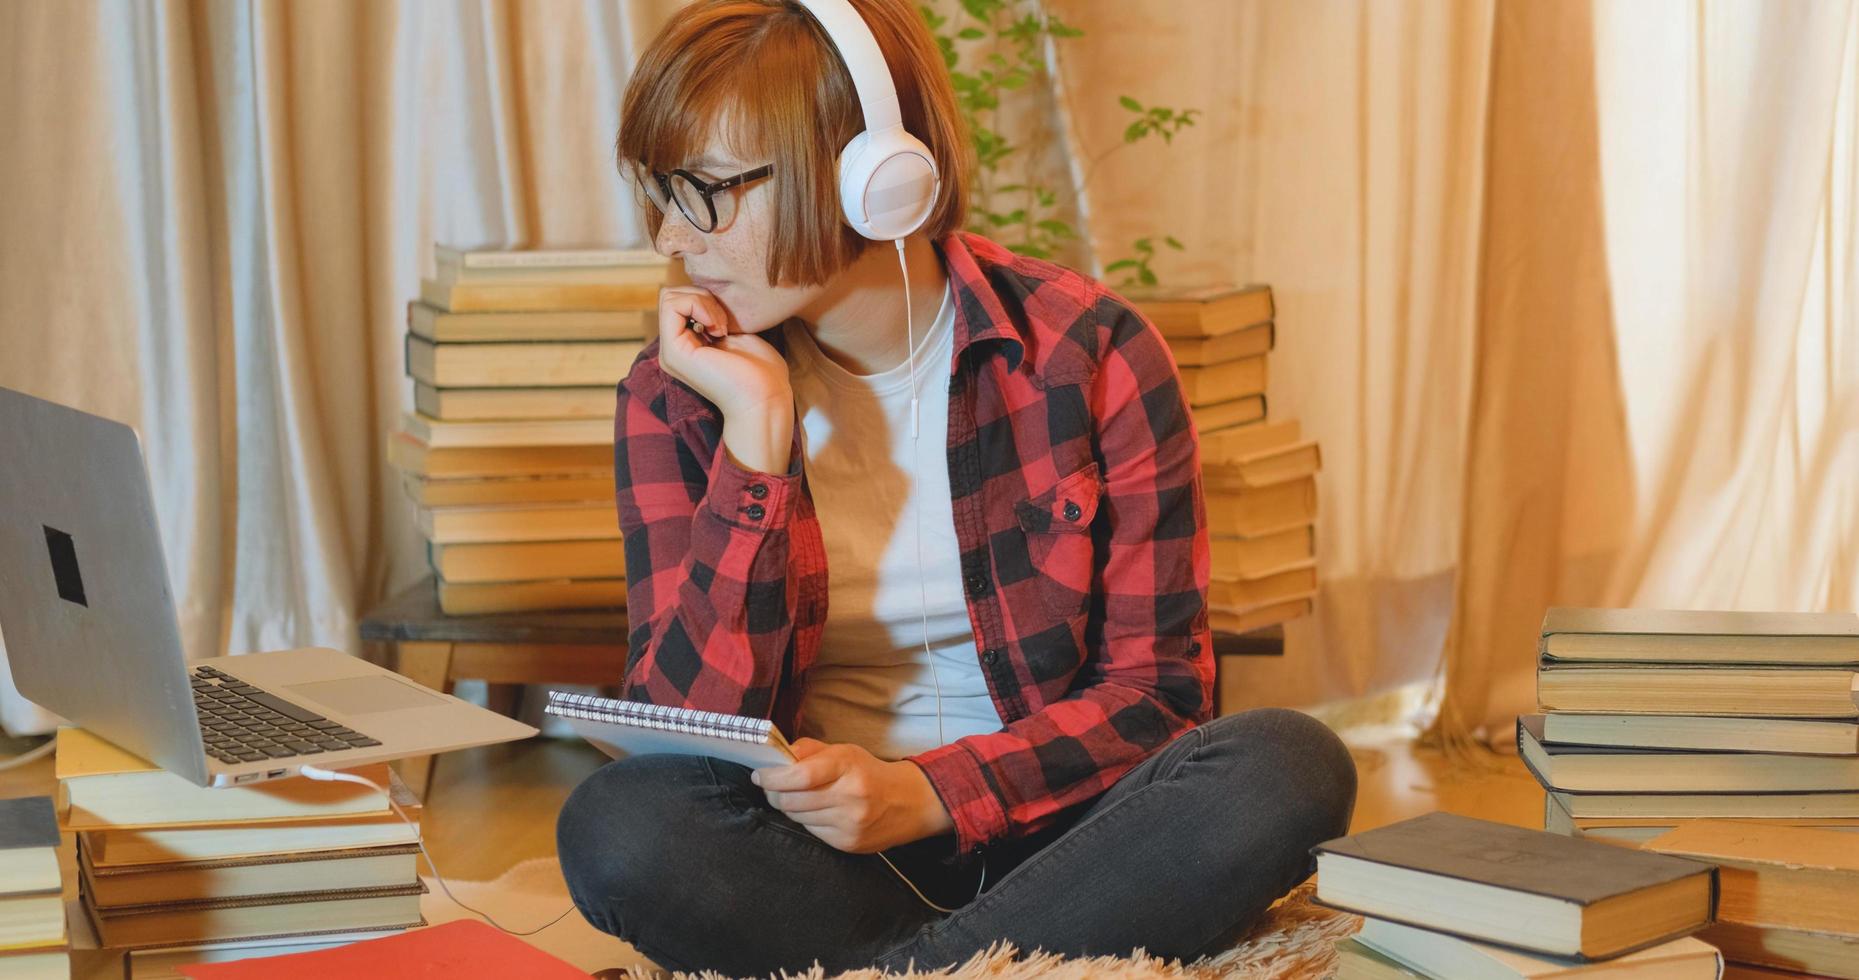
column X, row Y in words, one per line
column 628, row 728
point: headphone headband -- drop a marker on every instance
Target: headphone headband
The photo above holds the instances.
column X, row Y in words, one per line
column 871, row 75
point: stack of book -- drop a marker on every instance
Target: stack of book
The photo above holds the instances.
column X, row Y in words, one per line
column 1451, row 897
column 508, row 451
column 1261, row 487
column 1219, row 336
column 1259, row 475
column 1654, row 719
column 33, row 940
column 172, row 873
column 1788, row 897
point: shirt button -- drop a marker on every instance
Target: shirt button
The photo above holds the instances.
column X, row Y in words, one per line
column 990, row 655
column 1071, row 511
column 758, row 490
column 977, row 584
column 755, row 512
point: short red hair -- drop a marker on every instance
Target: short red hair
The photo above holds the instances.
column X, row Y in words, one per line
column 790, row 101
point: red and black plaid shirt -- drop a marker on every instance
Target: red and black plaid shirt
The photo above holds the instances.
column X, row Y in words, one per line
column 1074, row 471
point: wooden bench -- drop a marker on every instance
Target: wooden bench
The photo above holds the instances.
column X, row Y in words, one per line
column 508, row 650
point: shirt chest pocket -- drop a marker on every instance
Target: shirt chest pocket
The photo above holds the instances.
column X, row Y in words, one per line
column 1057, row 525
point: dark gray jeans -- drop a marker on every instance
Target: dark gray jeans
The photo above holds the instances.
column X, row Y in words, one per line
column 684, row 858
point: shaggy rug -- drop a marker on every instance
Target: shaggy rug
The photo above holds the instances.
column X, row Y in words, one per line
column 1293, row 940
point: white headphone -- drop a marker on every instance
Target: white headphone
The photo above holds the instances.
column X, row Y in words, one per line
column 887, row 177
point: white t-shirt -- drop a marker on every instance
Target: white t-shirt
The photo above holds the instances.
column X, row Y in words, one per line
column 873, row 684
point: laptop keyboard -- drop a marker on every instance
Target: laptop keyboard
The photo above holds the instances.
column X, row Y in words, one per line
column 242, row 723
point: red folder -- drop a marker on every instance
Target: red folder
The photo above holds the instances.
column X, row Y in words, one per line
column 460, row 950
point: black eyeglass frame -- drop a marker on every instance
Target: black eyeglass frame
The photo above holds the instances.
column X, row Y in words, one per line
column 707, row 189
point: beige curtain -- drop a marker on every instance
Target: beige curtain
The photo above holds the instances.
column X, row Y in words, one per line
column 214, row 215
column 1565, row 289
column 1340, row 159
column 1667, row 396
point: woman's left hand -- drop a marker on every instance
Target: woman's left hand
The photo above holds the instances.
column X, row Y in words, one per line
column 852, row 799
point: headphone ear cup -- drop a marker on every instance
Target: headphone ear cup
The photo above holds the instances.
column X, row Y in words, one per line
column 888, row 183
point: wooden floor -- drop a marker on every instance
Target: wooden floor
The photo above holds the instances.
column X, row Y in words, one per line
column 490, row 808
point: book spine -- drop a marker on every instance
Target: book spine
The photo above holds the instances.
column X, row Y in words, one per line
column 695, row 721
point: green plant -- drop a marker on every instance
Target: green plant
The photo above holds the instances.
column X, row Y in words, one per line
column 1022, row 214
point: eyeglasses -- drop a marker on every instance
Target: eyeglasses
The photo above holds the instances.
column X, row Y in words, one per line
column 698, row 198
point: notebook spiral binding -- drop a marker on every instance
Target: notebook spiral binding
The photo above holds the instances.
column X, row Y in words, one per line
column 666, row 717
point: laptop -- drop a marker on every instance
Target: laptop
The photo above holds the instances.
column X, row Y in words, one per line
column 88, row 618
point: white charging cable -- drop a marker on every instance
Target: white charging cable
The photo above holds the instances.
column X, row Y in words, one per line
column 331, row 776
column 910, row 336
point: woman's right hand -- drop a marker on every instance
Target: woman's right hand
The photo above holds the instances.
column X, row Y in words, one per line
column 737, row 371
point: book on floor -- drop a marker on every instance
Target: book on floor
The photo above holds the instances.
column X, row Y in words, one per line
column 1514, row 886
column 1257, row 455
column 1358, row 961
column 436, row 324
column 543, row 522
column 1255, row 557
column 178, row 923
column 163, row 962
column 116, row 846
column 513, row 297
column 442, row 434
column 568, row 488
column 101, row 785
column 1701, row 733
column 411, row 456
column 1436, row 954
column 1248, row 341
column 529, row 561
column 1607, row 769
column 461, row 948
column 1264, row 510
column 1697, row 636
column 28, row 845
column 1215, row 416
column 581, row 364
column 450, row 274
column 1245, row 621
column 502, row 258
column 32, row 920
column 1793, row 877
column 1211, row 383
column 1634, row 831
column 481, row 598
column 515, row 404
column 1751, row 690
column 1790, row 805
column 264, row 874
column 1279, row 586
column 52, row 962
column 1803, row 953
column 1202, row 311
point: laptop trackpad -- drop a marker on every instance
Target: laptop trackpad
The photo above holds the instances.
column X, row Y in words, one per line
column 363, row 695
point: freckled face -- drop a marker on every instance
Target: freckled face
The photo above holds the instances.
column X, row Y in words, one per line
column 731, row 260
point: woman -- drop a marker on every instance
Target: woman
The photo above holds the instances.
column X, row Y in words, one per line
column 1004, row 722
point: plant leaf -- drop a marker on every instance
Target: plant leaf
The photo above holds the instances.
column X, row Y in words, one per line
column 1129, row 103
